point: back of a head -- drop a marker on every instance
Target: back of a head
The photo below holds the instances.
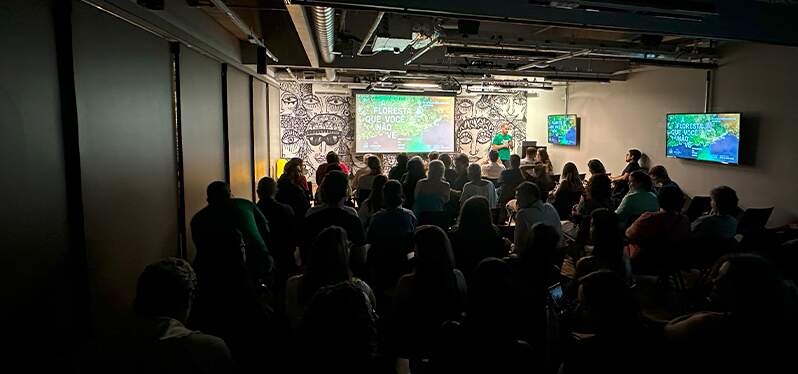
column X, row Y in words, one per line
column 542, row 243
column 749, row 286
column 375, row 199
column 515, row 161
column 492, row 294
column 328, row 262
column 165, row 289
column 446, row 159
column 461, row 160
column 671, row 199
column 392, row 194
column 493, row 155
column 658, row 172
column 433, row 253
column 217, row 192
column 571, row 174
column 531, row 152
column 606, row 234
column 528, row 193
column 596, row 167
column 475, row 216
column 640, row 180
column 436, row 170
column 599, row 187
column 332, row 158
column 543, row 155
column 373, row 162
column 267, row 187
column 401, row 159
column 415, row 168
column 725, row 199
column 636, row 154
column 474, row 172
column 339, row 329
column 432, row 156
column 607, row 302
column 334, row 188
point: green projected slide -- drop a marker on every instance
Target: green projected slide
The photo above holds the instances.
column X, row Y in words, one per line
column 562, row 129
column 403, row 123
column 707, row 137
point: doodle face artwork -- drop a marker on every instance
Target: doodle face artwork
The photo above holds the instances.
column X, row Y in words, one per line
column 477, row 120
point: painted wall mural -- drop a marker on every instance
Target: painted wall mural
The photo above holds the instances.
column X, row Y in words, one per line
column 313, row 124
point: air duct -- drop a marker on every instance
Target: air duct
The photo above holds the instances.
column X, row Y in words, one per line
column 324, row 21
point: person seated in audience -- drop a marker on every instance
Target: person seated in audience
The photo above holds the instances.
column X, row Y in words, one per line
column 332, row 159
column 721, row 222
column 542, row 179
column 224, row 211
column 597, row 196
column 289, row 191
column 487, row 341
column 328, row 264
column 610, row 334
column 595, row 167
column 433, row 293
column 461, row 169
column 493, row 168
column 660, row 178
column 373, row 203
column 606, row 237
column 415, row 173
column 568, row 192
column 282, row 226
column 338, row 332
column 393, row 221
column 532, row 209
column 748, row 326
column 509, row 180
column 639, row 200
column 529, row 156
column 655, row 238
column 431, row 192
column 364, row 178
column 621, row 182
column 333, row 212
column 302, row 181
column 478, row 187
column 162, row 343
column 542, row 158
column 449, row 174
column 475, row 237
column 400, row 169
column 432, row 156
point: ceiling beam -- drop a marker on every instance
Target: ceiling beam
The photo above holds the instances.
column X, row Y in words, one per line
column 305, row 32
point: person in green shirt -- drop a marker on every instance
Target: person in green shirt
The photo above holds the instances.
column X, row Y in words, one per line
column 503, row 143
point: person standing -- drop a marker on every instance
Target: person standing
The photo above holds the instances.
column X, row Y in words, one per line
column 503, row 143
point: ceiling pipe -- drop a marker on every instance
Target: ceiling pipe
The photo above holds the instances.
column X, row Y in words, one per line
column 330, row 74
column 324, row 21
column 370, row 34
column 432, row 44
column 251, row 36
column 290, row 73
column 546, row 63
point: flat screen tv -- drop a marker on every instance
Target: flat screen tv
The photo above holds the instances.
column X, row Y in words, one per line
column 395, row 123
column 563, row 129
column 713, row 137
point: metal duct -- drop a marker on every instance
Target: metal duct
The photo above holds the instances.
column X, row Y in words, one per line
column 324, row 22
column 371, row 32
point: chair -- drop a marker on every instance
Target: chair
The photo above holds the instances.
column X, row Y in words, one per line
column 754, row 220
column 699, row 205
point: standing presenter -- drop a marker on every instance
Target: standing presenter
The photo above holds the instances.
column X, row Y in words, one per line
column 503, row 143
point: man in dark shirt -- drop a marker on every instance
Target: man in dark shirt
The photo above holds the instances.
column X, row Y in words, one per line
column 400, row 169
column 621, row 182
column 449, row 174
column 659, row 175
column 224, row 213
column 461, row 168
column 509, row 180
column 282, row 223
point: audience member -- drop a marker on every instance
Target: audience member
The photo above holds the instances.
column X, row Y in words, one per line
column 660, row 178
column 530, row 155
column 656, row 238
column 475, row 237
column 478, row 187
column 373, row 203
column 339, row 332
column 328, row 264
column 415, row 173
column 568, row 192
column 639, row 200
column 595, row 167
column 509, row 180
column 542, row 158
column 621, row 182
column 224, row 212
column 493, row 169
column 282, row 226
column 461, row 169
column 721, row 223
column 542, row 178
column 433, row 293
column 164, row 297
column 599, row 191
column 290, row 192
column 532, row 209
column 449, row 174
column 431, row 192
column 400, row 169
column 432, row 156
column 332, row 159
column 300, row 165
column 364, row 178
column 606, row 237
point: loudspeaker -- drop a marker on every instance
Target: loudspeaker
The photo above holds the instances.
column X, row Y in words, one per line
column 261, row 52
column 151, row 4
column 467, row 26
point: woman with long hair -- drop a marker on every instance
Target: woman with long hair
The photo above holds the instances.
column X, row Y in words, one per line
column 290, row 190
column 475, row 237
column 374, row 202
column 415, row 173
column 543, row 159
column 568, row 192
column 364, row 178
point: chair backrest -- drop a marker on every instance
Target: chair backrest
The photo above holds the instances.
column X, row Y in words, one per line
column 699, row 205
column 754, row 219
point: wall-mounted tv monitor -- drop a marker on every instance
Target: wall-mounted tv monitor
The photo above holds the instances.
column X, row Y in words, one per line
column 563, row 129
column 395, row 123
column 713, row 137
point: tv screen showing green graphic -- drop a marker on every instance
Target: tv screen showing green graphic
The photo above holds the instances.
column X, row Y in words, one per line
column 711, row 137
column 562, row 129
column 403, row 123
